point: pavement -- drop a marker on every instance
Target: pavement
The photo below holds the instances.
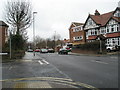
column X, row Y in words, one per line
column 107, row 54
column 44, row 82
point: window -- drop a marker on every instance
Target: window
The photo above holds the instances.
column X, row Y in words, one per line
column 112, row 28
column 92, row 32
column 78, row 38
column 102, row 30
column 107, row 29
column 118, row 41
column 117, row 28
column 76, row 29
column 90, row 22
column 113, row 41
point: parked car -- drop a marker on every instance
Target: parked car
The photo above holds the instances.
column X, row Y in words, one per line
column 51, row 50
column 44, row 51
column 68, row 48
column 111, row 48
column 63, row 51
column 30, row 50
column 37, row 50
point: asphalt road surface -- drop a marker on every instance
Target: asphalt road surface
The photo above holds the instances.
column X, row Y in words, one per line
column 98, row 71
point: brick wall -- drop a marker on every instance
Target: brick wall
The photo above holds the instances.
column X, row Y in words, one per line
column 2, row 36
column 73, row 34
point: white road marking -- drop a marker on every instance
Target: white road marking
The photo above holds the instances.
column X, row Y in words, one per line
column 99, row 62
column 27, row 60
column 40, row 62
column 114, row 57
column 45, row 61
column 10, row 68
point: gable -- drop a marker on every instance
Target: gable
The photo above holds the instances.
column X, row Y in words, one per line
column 112, row 22
column 117, row 12
column 74, row 24
column 71, row 26
column 90, row 23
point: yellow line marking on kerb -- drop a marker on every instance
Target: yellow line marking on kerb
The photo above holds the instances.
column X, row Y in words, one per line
column 52, row 79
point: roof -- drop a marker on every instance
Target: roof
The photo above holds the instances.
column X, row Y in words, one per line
column 77, row 24
column 102, row 19
column 3, row 24
column 101, row 37
column 116, row 18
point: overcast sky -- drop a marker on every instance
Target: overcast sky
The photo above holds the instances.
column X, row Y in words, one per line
column 57, row 15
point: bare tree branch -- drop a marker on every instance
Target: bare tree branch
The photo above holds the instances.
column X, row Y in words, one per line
column 19, row 15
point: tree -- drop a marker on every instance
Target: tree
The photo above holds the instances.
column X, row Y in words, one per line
column 18, row 15
column 16, row 45
column 40, row 42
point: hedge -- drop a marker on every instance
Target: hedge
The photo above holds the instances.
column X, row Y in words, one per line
column 91, row 46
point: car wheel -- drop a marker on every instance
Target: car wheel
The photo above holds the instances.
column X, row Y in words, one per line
column 108, row 50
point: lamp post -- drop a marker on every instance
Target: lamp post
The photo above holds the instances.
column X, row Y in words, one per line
column 55, row 40
column 100, row 44
column 10, row 43
column 34, row 32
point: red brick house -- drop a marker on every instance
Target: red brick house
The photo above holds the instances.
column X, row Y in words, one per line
column 3, row 33
column 107, row 24
column 77, row 34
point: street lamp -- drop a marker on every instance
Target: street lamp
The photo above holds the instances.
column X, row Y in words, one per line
column 10, row 42
column 34, row 32
column 55, row 40
column 100, row 44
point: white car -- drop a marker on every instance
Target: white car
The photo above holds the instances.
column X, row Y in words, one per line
column 30, row 50
column 110, row 48
column 44, row 51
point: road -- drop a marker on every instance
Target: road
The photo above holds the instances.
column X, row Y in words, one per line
column 98, row 71
column 101, row 72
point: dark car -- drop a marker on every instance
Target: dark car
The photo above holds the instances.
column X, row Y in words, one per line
column 63, row 51
column 51, row 50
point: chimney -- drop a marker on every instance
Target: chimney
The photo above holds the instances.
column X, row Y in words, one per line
column 97, row 13
column 119, row 4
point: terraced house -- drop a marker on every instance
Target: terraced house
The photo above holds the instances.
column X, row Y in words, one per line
column 107, row 25
column 76, row 33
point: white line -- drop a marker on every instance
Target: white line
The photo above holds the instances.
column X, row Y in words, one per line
column 99, row 62
column 114, row 57
column 45, row 61
column 10, row 68
column 40, row 62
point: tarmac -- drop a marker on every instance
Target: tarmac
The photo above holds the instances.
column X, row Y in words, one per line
column 48, row 82
column 43, row 82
